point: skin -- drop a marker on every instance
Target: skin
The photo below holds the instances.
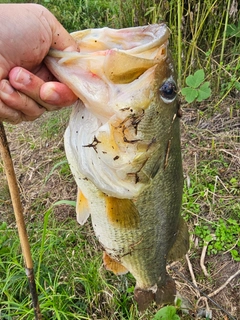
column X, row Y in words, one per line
column 27, row 87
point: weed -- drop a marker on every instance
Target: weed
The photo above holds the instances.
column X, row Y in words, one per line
column 233, row 30
column 167, row 313
column 222, row 236
column 55, row 124
column 64, row 169
column 232, row 69
column 4, row 245
column 197, row 89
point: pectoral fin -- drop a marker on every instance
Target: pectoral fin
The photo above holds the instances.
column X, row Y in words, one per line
column 113, row 265
column 82, row 208
column 122, row 213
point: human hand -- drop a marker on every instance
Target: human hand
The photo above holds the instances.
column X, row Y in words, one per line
column 27, row 87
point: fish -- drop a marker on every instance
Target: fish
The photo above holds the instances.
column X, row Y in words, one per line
column 123, row 147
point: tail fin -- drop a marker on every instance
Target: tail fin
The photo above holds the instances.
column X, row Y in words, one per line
column 161, row 294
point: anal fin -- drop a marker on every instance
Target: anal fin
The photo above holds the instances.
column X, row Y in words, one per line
column 113, row 265
column 82, row 208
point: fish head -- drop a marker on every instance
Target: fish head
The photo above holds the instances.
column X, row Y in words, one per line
column 126, row 82
column 110, row 65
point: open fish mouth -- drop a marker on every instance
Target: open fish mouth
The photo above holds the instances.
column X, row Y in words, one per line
column 110, row 75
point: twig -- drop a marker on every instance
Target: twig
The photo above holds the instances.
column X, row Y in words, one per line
column 214, row 191
column 232, row 247
column 17, row 206
column 227, row 152
column 224, row 285
column 192, row 274
column 222, row 183
column 203, row 293
column 203, row 254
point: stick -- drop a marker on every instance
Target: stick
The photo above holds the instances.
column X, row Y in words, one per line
column 192, row 274
column 224, row 285
column 17, row 207
column 203, row 254
column 204, row 269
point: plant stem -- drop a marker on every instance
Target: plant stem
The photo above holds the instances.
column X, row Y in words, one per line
column 224, row 39
column 18, row 211
column 179, row 11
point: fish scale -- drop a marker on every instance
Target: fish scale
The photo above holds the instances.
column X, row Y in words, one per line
column 123, row 147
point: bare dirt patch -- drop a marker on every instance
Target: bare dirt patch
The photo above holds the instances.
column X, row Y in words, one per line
column 34, row 156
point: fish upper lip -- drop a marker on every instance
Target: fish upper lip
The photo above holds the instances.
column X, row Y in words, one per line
column 158, row 35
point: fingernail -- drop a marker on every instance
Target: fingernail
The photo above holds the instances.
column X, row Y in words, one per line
column 23, row 77
column 6, row 87
column 49, row 95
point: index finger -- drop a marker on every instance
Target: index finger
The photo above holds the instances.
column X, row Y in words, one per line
column 50, row 95
column 61, row 39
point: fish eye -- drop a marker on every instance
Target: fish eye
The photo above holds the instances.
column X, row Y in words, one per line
column 168, row 91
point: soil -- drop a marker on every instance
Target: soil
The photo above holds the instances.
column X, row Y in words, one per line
column 34, row 157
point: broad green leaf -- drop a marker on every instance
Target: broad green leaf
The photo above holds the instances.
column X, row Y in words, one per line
column 233, row 30
column 3, row 226
column 166, row 313
column 208, row 238
column 235, row 255
column 190, row 94
column 204, row 92
column 196, row 79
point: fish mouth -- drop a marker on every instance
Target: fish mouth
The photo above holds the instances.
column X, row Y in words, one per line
column 114, row 76
column 107, row 59
column 134, row 40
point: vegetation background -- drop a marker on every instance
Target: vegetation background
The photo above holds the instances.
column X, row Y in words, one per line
column 71, row 280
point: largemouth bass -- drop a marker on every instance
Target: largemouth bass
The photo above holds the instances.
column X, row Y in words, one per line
column 123, row 147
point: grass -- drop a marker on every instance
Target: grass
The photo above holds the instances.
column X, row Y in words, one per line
column 71, row 280
column 220, row 221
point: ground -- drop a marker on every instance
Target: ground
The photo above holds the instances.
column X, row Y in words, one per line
column 208, row 137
